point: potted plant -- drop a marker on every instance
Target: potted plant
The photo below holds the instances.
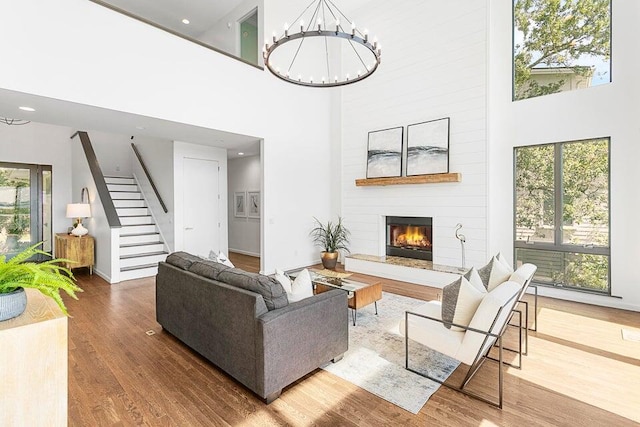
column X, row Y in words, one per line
column 48, row 277
column 331, row 238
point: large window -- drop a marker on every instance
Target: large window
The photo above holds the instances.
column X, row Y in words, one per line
column 560, row 45
column 562, row 212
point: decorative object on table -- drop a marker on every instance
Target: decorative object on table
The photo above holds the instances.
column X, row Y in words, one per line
column 328, row 43
column 253, row 204
column 330, row 273
column 331, row 238
column 428, row 147
column 239, row 205
column 462, row 240
column 48, row 277
column 79, row 211
column 384, row 153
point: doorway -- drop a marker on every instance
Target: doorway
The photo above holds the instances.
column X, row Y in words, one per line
column 201, row 198
column 249, row 38
column 25, row 207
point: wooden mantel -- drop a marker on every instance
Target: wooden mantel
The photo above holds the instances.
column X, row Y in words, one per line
column 417, row 179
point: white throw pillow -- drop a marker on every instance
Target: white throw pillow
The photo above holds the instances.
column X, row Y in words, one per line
column 301, row 287
column 474, row 278
column 503, row 261
column 222, row 259
column 460, row 300
column 494, row 274
column 284, row 281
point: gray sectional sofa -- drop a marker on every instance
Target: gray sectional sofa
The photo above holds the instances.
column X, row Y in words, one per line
column 243, row 323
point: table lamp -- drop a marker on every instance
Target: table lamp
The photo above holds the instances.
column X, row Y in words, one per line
column 79, row 211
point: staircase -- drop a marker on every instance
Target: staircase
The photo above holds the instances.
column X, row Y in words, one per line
column 141, row 246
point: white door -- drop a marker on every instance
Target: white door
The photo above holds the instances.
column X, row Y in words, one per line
column 201, row 206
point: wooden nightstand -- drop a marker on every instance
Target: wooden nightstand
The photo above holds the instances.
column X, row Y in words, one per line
column 78, row 249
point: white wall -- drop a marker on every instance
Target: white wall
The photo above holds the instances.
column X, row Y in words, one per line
column 245, row 174
column 608, row 110
column 158, row 158
column 46, row 145
column 113, row 152
column 70, row 51
column 433, row 66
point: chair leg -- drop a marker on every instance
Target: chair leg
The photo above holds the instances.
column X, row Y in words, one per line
column 526, row 328
column 500, row 374
column 535, row 308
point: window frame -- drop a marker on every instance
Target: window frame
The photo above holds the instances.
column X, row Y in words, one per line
column 513, row 57
column 558, row 245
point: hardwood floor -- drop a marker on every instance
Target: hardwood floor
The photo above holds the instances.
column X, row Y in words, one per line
column 579, row 372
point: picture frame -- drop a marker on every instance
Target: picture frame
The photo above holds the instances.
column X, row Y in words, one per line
column 428, row 147
column 384, row 153
column 253, row 204
column 239, row 204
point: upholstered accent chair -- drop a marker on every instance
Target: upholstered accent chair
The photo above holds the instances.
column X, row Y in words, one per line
column 470, row 343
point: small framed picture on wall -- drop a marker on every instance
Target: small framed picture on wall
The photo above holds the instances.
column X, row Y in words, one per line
column 253, row 204
column 239, row 204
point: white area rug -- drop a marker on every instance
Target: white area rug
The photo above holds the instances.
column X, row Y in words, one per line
column 376, row 356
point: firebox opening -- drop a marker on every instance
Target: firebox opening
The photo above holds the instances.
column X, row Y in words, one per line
column 410, row 237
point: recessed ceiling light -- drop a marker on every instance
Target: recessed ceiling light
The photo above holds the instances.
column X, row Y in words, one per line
column 140, row 127
column 241, row 154
column 27, row 109
column 186, row 21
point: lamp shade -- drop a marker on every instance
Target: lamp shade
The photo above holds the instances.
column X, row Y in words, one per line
column 78, row 210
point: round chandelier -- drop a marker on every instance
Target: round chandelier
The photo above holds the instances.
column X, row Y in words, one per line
column 15, row 122
column 313, row 56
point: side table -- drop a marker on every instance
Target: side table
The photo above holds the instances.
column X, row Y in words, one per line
column 77, row 249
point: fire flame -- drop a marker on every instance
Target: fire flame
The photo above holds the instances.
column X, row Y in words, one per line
column 413, row 237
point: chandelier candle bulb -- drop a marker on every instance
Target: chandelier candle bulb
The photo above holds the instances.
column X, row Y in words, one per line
column 319, row 24
column 274, row 37
column 302, row 26
column 286, row 29
column 337, row 25
column 335, row 79
column 366, row 35
column 375, row 43
column 353, row 29
column 347, row 76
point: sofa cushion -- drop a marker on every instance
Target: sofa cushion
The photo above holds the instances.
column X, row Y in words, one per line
column 494, row 274
column 460, row 300
column 207, row 268
column 284, row 280
column 182, row 260
column 271, row 290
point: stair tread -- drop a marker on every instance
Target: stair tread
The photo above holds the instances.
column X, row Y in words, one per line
column 139, row 267
column 138, row 234
column 122, row 191
column 144, row 255
column 132, row 245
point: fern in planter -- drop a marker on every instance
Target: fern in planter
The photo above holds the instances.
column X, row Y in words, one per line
column 48, row 277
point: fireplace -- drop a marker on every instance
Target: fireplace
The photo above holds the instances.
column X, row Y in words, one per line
column 410, row 237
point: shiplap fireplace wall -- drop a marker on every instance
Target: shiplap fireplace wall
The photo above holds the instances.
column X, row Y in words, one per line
column 437, row 69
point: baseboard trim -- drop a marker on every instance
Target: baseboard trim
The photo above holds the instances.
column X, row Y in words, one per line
column 241, row 252
column 102, row 275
